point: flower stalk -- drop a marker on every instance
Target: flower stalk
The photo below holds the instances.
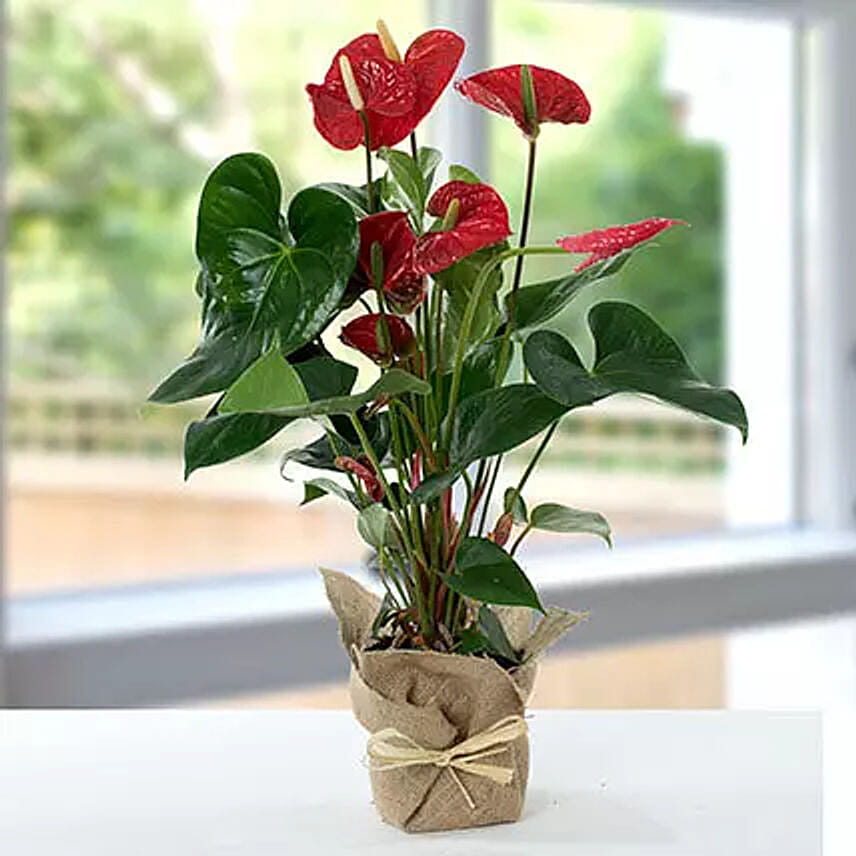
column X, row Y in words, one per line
column 417, row 448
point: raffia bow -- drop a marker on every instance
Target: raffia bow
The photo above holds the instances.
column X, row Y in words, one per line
column 389, row 749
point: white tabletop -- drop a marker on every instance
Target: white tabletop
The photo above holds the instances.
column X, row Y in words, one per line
column 197, row 782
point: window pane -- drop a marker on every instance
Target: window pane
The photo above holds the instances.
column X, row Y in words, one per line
column 117, row 113
column 681, row 129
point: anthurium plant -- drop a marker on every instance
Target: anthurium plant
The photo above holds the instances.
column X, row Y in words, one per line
column 410, row 271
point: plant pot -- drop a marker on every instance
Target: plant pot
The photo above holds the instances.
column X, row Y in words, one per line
column 448, row 746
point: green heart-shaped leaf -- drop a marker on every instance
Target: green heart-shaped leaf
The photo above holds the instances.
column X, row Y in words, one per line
column 295, row 289
column 538, row 303
column 552, row 517
column 391, row 383
column 485, row 572
column 496, row 420
column 632, row 354
column 494, row 632
column 270, row 382
column 513, row 502
column 226, row 348
column 243, row 192
column 434, row 486
column 219, row 438
column 316, row 488
column 375, row 526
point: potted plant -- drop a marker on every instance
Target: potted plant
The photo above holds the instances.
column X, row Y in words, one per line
column 411, row 275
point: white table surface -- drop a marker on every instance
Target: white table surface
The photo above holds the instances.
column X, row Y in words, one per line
column 86, row 783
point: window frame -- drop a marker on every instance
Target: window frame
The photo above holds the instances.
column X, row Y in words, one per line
column 218, row 638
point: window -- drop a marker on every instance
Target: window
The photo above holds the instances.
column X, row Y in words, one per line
column 748, row 144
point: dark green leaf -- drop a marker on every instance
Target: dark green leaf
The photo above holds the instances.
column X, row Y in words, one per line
column 257, row 286
column 215, row 363
column 513, row 502
column 316, row 488
column 324, row 377
column 495, row 633
column 226, row 348
column 496, row 420
column 485, row 572
column 295, row 289
column 632, row 354
column 472, row 641
column 553, row 517
column 434, row 486
column 321, row 454
column 356, row 197
column 219, row 438
column 540, row 302
column 242, row 192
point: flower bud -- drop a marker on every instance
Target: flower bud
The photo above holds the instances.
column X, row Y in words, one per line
column 502, row 531
column 350, row 83
column 362, row 334
column 362, row 468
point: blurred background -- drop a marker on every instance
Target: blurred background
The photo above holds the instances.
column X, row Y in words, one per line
column 116, row 113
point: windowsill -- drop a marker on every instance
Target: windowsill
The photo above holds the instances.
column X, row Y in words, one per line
column 124, row 611
column 164, row 644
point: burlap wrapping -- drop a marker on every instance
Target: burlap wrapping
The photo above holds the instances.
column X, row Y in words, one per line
column 440, row 700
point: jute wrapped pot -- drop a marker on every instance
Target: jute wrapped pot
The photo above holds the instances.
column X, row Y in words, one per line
column 448, row 745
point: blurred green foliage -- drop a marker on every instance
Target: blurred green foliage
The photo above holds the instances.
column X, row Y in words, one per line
column 635, row 164
column 118, row 110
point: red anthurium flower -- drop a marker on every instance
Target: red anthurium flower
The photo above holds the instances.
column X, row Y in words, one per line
column 603, row 243
column 557, row 98
column 362, row 334
column 397, row 94
column 403, row 288
column 482, row 220
column 362, row 468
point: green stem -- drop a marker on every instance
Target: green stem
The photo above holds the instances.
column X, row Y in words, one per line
column 369, row 182
column 400, row 518
column 520, row 538
column 497, row 461
column 545, row 440
column 524, row 232
column 469, row 317
column 505, row 351
column 424, row 442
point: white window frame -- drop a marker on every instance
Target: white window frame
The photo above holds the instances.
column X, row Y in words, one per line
column 213, row 639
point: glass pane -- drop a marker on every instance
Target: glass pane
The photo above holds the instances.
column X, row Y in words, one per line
column 117, row 113
column 676, row 131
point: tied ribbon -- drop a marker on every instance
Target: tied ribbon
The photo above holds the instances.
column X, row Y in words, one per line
column 389, row 749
